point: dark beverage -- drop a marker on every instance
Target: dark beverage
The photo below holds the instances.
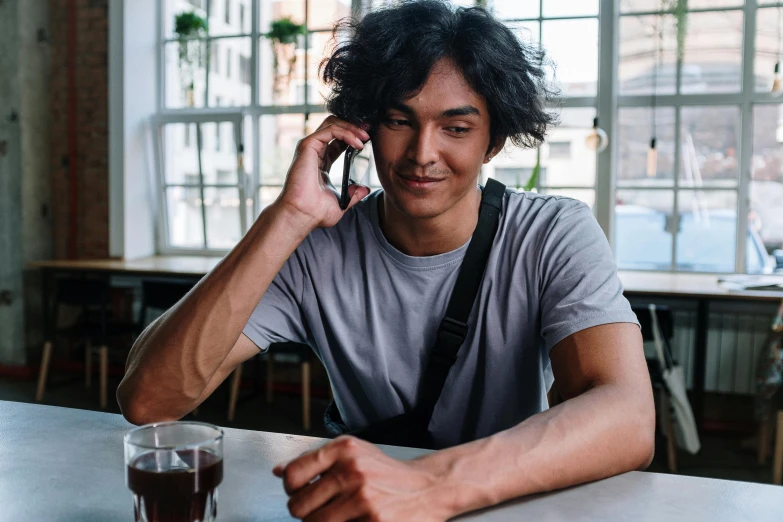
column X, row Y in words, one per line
column 173, row 492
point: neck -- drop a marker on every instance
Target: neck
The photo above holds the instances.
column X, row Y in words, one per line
column 430, row 236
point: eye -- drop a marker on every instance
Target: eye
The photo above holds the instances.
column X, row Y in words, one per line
column 397, row 123
column 458, row 130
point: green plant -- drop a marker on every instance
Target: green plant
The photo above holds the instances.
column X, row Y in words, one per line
column 533, row 180
column 189, row 27
column 678, row 8
column 282, row 33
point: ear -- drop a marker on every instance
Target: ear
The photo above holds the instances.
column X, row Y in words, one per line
column 495, row 148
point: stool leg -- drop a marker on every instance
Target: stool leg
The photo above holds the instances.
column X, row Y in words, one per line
column 671, row 448
column 103, row 356
column 777, row 474
column 306, row 395
column 236, row 379
column 47, row 354
column 763, row 441
column 269, row 378
column 88, row 364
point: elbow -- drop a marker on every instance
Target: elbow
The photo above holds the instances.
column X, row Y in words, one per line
column 645, row 435
column 136, row 407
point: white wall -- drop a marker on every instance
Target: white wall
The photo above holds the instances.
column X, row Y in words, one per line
column 133, row 98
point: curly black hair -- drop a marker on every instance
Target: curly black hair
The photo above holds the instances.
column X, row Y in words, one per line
column 390, row 53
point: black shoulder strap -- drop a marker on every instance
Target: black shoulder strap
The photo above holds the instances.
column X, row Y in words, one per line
column 454, row 327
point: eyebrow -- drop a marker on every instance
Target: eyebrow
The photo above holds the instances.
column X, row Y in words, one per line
column 465, row 110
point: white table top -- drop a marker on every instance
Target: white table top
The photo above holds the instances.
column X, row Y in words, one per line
column 40, row 445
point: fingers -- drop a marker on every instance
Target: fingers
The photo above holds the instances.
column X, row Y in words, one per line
column 344, row 507
column 313, row 496
column 300, row 472
column 320, row 140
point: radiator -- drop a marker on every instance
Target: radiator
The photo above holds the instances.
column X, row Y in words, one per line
column 735, row 340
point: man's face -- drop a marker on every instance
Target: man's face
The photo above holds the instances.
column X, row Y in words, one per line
column 429, row 149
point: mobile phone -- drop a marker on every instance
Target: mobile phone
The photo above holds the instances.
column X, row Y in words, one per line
column 350, row 154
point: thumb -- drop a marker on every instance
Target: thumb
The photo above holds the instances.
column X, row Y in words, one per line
column 357, row 193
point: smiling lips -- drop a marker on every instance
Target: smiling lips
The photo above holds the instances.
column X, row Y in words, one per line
column 419, row 182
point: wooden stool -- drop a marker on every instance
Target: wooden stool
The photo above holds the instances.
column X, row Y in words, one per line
column 236, row 379
column 777, row 465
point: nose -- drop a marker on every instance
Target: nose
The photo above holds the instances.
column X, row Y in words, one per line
column 423, row 147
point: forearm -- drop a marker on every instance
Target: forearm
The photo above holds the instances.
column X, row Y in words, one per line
column 175, row 357
column 598, row 434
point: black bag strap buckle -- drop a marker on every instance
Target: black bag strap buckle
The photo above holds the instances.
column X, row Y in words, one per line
column 451, row 335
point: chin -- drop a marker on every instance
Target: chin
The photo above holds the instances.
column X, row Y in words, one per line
column 414, row 205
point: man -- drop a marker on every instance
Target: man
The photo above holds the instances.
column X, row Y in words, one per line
column 438, row 92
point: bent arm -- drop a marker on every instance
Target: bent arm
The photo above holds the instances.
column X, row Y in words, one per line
column 187, row 352
column 605, row 427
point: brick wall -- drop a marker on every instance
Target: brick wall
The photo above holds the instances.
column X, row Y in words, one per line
column 92, row 124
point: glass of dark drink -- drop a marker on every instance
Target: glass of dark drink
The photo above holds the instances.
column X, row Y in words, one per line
column 173, row 470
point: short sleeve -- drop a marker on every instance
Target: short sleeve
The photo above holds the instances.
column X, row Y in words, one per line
column 278, row 317
column 579, row 286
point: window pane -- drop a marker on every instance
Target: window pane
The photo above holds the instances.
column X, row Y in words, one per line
column 642, row 237
column 577, row 65
column 766, row 186
column 322, row 45
column 279, row 136
column 570, row 7
column 635, row 6
column 185, row 71
column 514, row 9
column 219, row 154
column 587, row 196
column 183, row 210
column 267, row 196
column 323, row 14
column 180, row 159
column 223, row 226
column 513, row 167
column 229, row 84
column 647, row 62
column 276, row 9
column 707, row 231
column 768, row 49
column 635, row 130
column 224, row 17
column 282, row 70
column 565, row 156
column 714, row 4
column 709, row 140
column 712, row 60
column 527, row 32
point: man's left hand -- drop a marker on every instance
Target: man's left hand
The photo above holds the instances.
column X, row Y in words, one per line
column 351, row 479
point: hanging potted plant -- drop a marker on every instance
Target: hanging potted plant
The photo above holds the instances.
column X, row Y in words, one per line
column 678, row 8
column 189, row 27
column 284, row 35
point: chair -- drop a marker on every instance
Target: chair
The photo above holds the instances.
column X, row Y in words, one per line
column 302, row 352
column 666, row 323
column 93, row 326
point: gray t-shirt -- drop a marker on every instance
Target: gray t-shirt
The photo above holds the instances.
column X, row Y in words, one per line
column 371, row 313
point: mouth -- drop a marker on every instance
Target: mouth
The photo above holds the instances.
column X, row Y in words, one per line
column 419, row 182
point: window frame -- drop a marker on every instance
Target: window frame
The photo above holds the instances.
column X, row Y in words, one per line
column 607, row 102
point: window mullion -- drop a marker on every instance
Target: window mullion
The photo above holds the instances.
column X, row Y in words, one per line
column 608, row 57
column 199, row 143
column 746, row 134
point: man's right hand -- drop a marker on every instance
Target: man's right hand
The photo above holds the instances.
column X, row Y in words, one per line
column 308, row 191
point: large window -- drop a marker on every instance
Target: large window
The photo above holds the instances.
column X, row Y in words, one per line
column 697, row 91
column 229, row 124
